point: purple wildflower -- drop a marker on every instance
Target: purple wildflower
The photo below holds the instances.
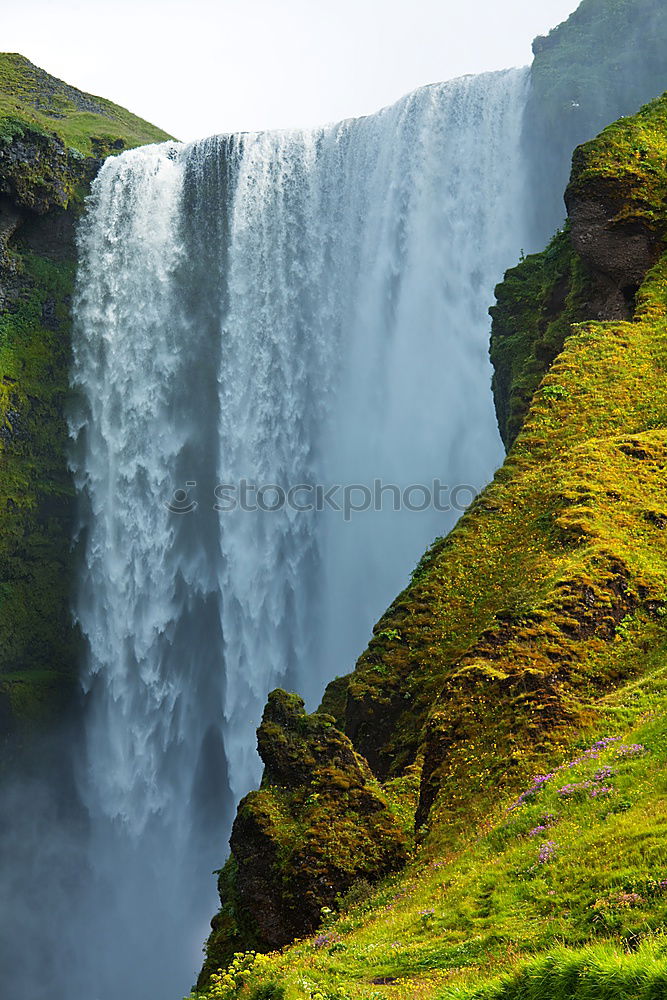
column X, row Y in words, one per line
column 568, row 791
column 604, row 774
column 592, row 753
column 604, row 743
column 547, row 852
column 539, row 781
column 325, row 940
column 601, row 790
column 536, row 831
column 630, row 750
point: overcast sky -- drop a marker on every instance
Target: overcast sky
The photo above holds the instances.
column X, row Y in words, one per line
column 230, row 65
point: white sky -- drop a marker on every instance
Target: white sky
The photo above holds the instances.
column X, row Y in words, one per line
column 230, row 65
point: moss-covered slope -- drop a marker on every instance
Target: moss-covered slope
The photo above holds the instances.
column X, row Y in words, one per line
column 560, row 894
column 591, row 270
column 48, row 132
column 532, row 641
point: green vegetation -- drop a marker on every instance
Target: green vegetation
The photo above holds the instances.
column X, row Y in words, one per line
column 580, row 864
column 626, row 164
column 627, row 39
column 36, row 495
column 521, row 679
column 318, row 825
column 596, row 973
column 32, row 101
column 540, row 299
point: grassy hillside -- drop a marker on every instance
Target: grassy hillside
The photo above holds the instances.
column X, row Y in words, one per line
column 616, row 31
column 513, row 698
column 92, row 125
column 581, row 863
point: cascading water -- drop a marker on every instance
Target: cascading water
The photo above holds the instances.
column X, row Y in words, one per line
column 283, row 308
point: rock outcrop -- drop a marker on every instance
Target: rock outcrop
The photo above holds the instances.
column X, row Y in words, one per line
column 318, row 825
column 604, row 61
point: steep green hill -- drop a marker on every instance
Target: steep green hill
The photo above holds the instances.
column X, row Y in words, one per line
column 569, row 874
column 91, row 125
column 512, row 699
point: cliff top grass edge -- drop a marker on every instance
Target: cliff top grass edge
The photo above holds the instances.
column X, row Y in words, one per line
column 30, row 97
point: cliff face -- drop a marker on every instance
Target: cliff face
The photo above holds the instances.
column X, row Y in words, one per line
column 591, row 270
column 51, row 140
column 605, row 61
column 531, row 641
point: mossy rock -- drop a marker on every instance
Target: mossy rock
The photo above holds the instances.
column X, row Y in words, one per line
column 537, row 303
column 319, row 825
column 605, row 61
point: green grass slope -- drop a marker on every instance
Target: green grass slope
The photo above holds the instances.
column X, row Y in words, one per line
column 92, row 125
column 514, row 697
column 564, row 880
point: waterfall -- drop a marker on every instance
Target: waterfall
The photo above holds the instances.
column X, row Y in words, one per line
column 280, row 310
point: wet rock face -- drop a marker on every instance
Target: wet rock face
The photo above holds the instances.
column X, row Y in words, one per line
column 318, row 825
column 10, row 220
column 38, row 173
column 42, row 186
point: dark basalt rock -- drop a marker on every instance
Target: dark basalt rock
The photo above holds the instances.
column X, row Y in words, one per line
column 618, row 253
column 294, row 745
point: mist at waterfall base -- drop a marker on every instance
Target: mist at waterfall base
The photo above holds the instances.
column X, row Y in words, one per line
column 298, row 307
